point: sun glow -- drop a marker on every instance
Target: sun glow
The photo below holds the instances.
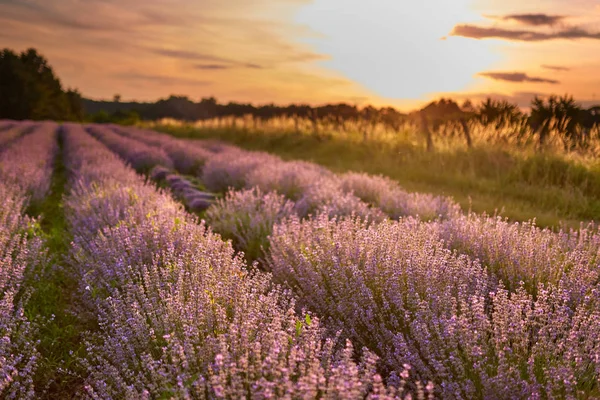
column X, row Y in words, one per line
column 399, row 49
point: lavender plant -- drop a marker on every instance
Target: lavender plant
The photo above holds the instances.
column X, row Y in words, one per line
column 326, row 197
column 521, row 254
column 291, row 179
column 247, row 218
column 386, row 194
column 229, row 169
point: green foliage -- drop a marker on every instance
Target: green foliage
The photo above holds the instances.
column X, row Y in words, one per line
column 130, row 117
column 30, row 90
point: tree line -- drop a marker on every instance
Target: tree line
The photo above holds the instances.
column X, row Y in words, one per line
column 561, row 114
column 30, row 90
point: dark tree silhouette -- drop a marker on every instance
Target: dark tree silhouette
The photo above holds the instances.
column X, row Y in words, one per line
column 30, row 90
column 565, row 117
column 498, row 114
column 441, row 112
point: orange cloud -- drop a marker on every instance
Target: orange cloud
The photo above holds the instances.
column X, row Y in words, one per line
column 516, row 77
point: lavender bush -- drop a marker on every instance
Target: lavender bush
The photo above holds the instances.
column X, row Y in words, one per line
column 247, row 217
column 291, row 179
column 521, row 254
column 327, row 197
column 386, row 194
column 229, row 169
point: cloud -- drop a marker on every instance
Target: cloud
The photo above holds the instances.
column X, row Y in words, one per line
column 480, row 32
column 212, row 66
column 210, row 62
column 516, row 77
column 93, row 15
column 187, row 55
column 555, row 67
column 532, row 19
column 146, row 50
column 227, row 66
column 252, row 66
column 159, row 79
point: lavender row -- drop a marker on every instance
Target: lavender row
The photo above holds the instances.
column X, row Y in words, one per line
column 25, row 170
column 518, row 254
column 28, row 162
column 6, row 123
column 195, row 199
column 142, row 157
column 20, row 251
column 396, row 289
column 387, row 194
column 180, row 315
column 312, row 187
column 522, row 254
column 186, row 159
column 12, row 132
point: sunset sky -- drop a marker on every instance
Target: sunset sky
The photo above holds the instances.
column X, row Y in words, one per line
column 378, row 51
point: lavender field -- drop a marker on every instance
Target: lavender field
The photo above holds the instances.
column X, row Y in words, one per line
column 134, row 265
